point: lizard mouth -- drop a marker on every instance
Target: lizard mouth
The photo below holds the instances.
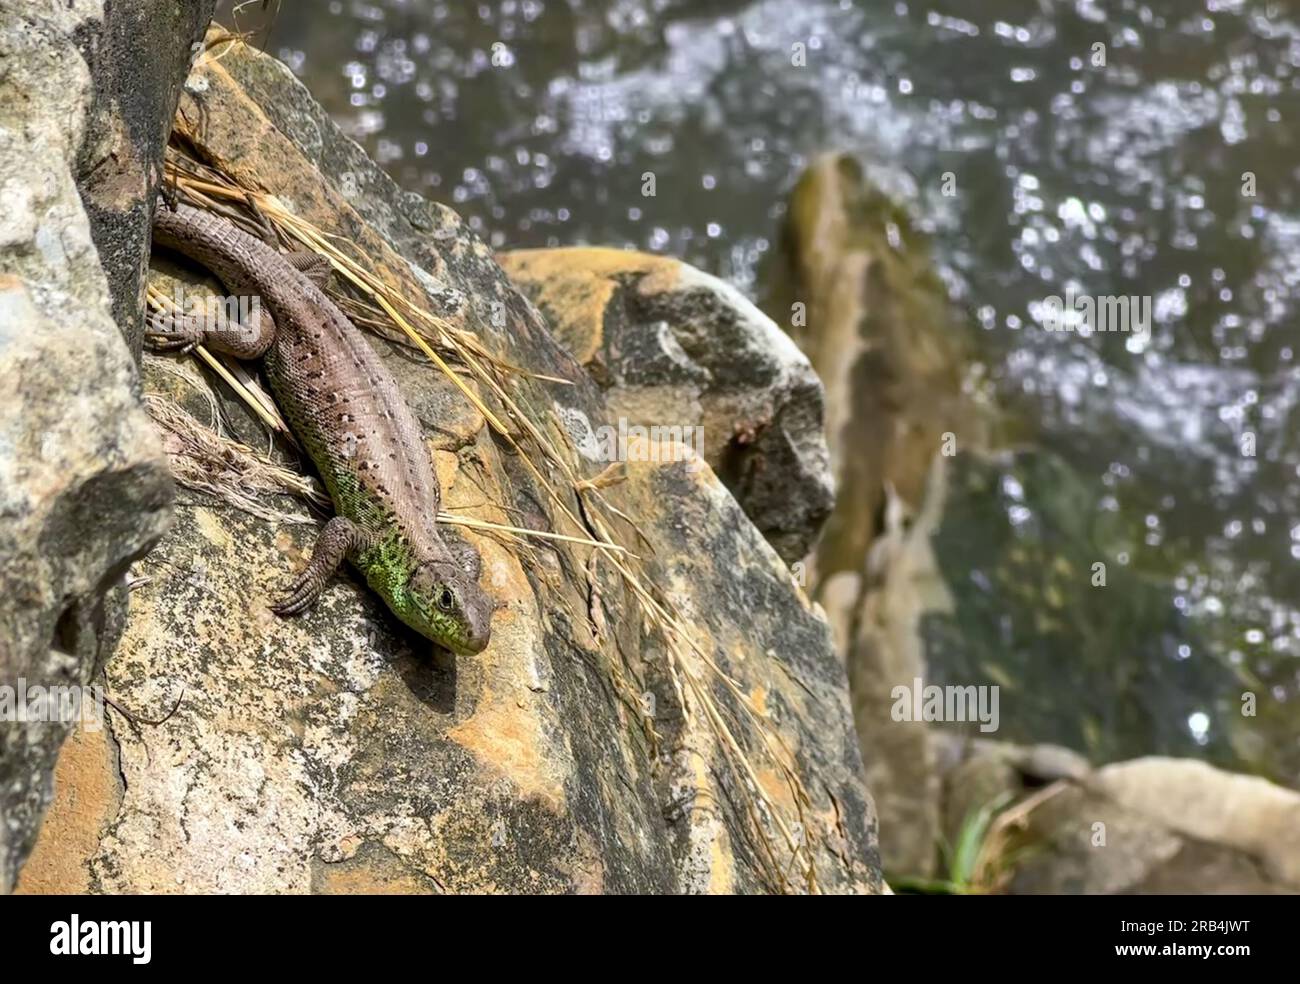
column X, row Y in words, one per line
column 469, row 647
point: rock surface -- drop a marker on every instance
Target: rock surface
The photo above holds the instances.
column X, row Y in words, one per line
column 337, row 752
column 137, row 59
column 83, row 485
column 675, row 347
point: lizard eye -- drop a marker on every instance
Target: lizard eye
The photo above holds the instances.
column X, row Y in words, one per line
column 446, row 599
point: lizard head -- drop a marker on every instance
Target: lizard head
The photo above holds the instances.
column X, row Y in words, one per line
column 445, row 604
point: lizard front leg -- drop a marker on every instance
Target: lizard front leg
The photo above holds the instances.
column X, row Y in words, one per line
column 167, row 331
column 340, row 537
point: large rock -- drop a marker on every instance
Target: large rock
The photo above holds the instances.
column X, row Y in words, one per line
column 1152, row 825
column 878, row 615
column 83, row 485
column 338, row 752
column 675, row 347
column 855, row 287
column 1163, row 826
column 855, row 284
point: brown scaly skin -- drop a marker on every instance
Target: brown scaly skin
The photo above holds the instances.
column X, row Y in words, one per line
column 345, row 408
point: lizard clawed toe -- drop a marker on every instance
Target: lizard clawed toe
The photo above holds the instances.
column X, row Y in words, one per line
column 302, row 591
column 161, row 336
column 295, row 604
column 338, row 536
column 168, row 343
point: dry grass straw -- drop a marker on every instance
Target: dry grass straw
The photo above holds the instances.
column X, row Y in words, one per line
column 205, row 459
column 584, row 508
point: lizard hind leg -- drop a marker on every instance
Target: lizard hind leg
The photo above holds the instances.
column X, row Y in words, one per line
column 315, row 267
column 339, row 538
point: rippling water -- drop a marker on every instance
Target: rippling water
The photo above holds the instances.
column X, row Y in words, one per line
column 537, row 120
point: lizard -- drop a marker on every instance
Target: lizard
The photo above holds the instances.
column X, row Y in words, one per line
column 346, row 410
